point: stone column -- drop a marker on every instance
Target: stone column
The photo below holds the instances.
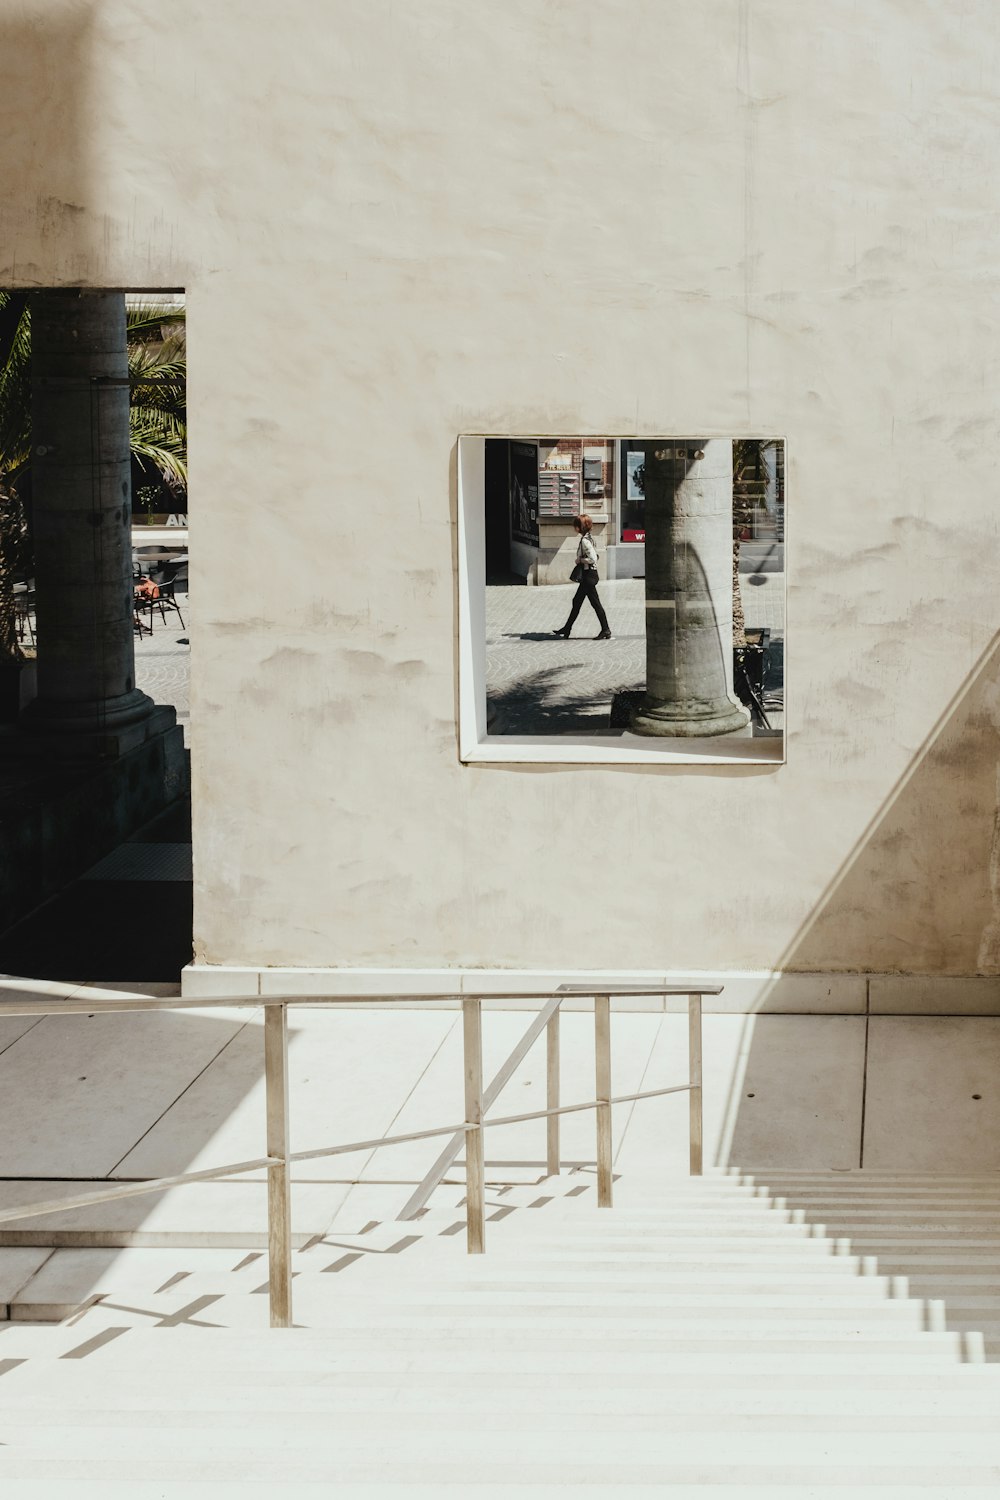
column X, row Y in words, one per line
column 689, row 581
column 82, row 520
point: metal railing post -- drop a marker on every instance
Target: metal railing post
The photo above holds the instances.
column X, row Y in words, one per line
column 602, row 1052
column 475, row 1156
column 279, row 1201
column 552, row 1161
column 694, row 1097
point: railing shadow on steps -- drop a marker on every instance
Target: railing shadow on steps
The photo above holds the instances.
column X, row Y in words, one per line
column 279, row 1157
column 933, row 1235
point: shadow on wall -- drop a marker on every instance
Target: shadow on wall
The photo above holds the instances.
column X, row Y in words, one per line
column 898, row 1093
column 910, row 1085
column 47, row 84
column 933, row 839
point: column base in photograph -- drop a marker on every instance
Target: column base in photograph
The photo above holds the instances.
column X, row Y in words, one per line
column 688, row 719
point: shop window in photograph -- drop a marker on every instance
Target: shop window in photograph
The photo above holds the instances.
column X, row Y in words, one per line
column 622, row 599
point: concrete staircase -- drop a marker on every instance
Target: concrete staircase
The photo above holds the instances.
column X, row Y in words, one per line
column 936, row 1237
column 728, row 1334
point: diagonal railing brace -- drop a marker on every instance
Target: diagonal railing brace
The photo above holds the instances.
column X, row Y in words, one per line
column 419, row 1197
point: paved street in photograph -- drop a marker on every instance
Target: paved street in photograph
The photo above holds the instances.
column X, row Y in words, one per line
column 162, row 663
column 537, row 683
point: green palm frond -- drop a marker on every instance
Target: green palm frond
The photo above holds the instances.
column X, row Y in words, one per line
column 157, row 372
column 157, row 381
column 147, row 321
column 159, row 438
column 15, row 382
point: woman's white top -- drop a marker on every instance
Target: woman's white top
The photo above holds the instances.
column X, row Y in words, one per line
column 586, row 552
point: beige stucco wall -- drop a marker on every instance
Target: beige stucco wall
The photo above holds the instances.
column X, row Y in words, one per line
column 399, row 222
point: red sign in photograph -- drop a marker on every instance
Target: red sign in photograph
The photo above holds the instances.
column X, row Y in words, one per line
column 633, row 536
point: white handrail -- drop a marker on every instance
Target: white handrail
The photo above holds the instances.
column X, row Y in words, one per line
column 477, row 1101
column 95, row 1005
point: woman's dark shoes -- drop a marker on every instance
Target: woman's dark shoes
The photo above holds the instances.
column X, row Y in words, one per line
column 605, row 635
column 564, row 632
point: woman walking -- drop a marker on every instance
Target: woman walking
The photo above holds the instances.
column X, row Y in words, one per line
column 585, row 574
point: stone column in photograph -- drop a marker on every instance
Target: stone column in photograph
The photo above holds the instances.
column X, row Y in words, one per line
column 689, row 582
column 82, row 523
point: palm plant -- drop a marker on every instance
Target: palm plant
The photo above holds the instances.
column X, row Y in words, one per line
column 15, row 383
column 157, row 374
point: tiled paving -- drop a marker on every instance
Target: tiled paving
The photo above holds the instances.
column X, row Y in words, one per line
column 537, row 683
column 162, row 663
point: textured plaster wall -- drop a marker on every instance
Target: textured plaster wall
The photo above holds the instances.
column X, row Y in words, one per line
column 399, row 222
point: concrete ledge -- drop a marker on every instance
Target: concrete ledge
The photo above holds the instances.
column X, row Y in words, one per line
column 746, row 992
column 923, row 995
column 212, row 982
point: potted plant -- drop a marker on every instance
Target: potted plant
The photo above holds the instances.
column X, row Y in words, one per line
column 147, row 496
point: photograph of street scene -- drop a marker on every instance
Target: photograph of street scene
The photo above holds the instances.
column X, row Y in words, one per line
column 636, row 587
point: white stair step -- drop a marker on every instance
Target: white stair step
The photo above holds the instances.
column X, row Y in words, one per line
column 806, row 1468
column 842, row 1280
column 515, row 1276
column 944, row 1261
column 605, row 1357
column 920, row 1242
column 584, row 1236
column 726, row 1288
column 960, row 1284
column 953, row 1391
column 777, row 1211
column 587, row 1325
column 665, row 1271
column 907, row 1220
column 179, row 1379
column 872, row 1297
column 447, row 1444
column 860, row 1187
column 661, row 1247
column 218, row 1488
column 612, row 1268
column 972, row 1300
column 591, row 1324
column 662, row 1315
column 770, row 1175
column 342, row 1420
column 769, row 1226
column 871, row 1202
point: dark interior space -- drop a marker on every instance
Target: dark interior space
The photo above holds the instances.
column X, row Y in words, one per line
column 127, row 924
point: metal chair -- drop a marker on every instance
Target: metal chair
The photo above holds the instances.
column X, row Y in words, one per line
column 166, row 599
column 24, row 608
